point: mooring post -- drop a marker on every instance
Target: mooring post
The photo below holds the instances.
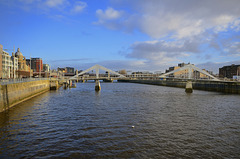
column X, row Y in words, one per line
column 97, row 85
column 189, row 88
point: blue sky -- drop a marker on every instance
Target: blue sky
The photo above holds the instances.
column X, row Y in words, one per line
column 137, row 35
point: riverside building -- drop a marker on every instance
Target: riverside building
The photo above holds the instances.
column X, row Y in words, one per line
column 8, row 65
column 229, row 71
column 24, row 69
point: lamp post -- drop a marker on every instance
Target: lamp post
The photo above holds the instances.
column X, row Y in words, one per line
column 40, row 67
column 30, row 67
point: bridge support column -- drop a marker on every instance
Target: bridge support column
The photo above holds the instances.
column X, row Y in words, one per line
column 97, row 85
column 70, row 83
column 189, row 88
column 65, row 85
column 53, row 85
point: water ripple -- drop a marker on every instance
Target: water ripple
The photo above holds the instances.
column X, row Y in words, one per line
column 80, row 123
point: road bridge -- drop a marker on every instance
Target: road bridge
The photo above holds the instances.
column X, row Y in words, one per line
column 97, row 77
column 190, row 68
column 188, row 80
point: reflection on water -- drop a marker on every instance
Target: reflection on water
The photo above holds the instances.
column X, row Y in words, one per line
column 82, row 123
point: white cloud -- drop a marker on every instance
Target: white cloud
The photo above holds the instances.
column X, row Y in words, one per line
column 180, row 18
column 227, row 44
column 162, row 51
column 236, row 25
column 190, row 30
column 234, row 48
column 56, row 9
column 188, row 27
column 108, row 14
column 110, row 18
column 54, row 3
column 79, row 7
column 222, row 22
column 223, row 19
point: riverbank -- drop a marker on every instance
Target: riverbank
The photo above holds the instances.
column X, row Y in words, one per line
column 15, row 93
column 216, row 86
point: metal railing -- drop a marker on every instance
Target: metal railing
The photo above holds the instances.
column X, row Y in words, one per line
column 20, row 80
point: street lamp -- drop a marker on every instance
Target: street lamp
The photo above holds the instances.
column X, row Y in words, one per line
column 40, row 67
column 30, row 67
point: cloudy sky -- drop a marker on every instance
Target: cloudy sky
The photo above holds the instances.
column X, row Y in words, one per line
column 136, row 35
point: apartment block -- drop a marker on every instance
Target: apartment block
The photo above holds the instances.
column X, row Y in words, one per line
column 229, row 71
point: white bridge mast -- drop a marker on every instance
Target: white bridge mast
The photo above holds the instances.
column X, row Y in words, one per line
column 190, row 67
column 97, row 68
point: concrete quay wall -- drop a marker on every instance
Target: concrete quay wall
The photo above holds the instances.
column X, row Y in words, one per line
column 12, row 94
column 217, row 86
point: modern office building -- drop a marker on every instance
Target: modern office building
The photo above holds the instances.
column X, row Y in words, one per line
column 36, row 64
column 63, row 70
column 70, row 70
column 67, row 71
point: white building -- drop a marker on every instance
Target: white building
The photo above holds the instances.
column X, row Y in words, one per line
column 15, row 65
column 46, row 68
column 9, row 65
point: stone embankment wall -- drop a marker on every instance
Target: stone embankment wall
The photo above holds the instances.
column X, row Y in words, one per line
column 13, row 94
column 217, row 86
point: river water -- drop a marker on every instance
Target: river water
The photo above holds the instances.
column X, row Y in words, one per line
column 82, row 123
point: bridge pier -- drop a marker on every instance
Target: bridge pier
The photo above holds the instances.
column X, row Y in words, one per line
column 97, row 85
column 54, row 84
column 108, row 80
column 189, row 88
column 72, row 84
column 65, row 85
